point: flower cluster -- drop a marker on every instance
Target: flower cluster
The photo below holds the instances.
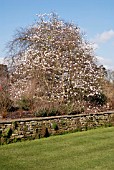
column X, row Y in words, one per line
column 51, row 60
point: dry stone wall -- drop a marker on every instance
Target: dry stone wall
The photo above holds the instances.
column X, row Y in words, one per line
column 34, row 128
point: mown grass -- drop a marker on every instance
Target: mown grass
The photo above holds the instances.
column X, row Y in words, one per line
column 92, row 149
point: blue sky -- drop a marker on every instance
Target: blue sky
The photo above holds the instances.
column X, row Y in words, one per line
column 95, row 17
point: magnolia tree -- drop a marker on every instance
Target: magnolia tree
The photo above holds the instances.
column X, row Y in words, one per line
column 51, row 60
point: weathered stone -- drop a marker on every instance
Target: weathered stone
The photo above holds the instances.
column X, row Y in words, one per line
column 42, row 127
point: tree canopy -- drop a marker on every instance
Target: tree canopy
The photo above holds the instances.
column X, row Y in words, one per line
column 52, row 60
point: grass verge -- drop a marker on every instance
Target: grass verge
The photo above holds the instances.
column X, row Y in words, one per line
column 87, row 150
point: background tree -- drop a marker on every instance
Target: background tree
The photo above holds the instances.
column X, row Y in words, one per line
column 52, row 61
column 109, row 88
column 5, row 102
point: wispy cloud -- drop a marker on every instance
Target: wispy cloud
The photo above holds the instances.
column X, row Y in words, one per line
column 107, row 63
column 1, row 60
column 103, row 45
column 104, row 37
column 95, row 46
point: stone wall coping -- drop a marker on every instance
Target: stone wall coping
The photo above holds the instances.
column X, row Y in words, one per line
column 9, row 121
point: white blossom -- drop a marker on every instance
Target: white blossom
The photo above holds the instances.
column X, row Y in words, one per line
column 53, row 61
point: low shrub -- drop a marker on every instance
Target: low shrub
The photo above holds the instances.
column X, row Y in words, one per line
column 98, row 99
column 8, row 133
column 14, row 125
column 63, row 122
column 25, row 103
column 5, row 103
column 45, row 132
column 47, row 112
column 41, row 113
column 53, row 112
column 55, row 126
column 0, row 133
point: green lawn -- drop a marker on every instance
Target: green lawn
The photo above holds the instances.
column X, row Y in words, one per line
column 92, row 149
